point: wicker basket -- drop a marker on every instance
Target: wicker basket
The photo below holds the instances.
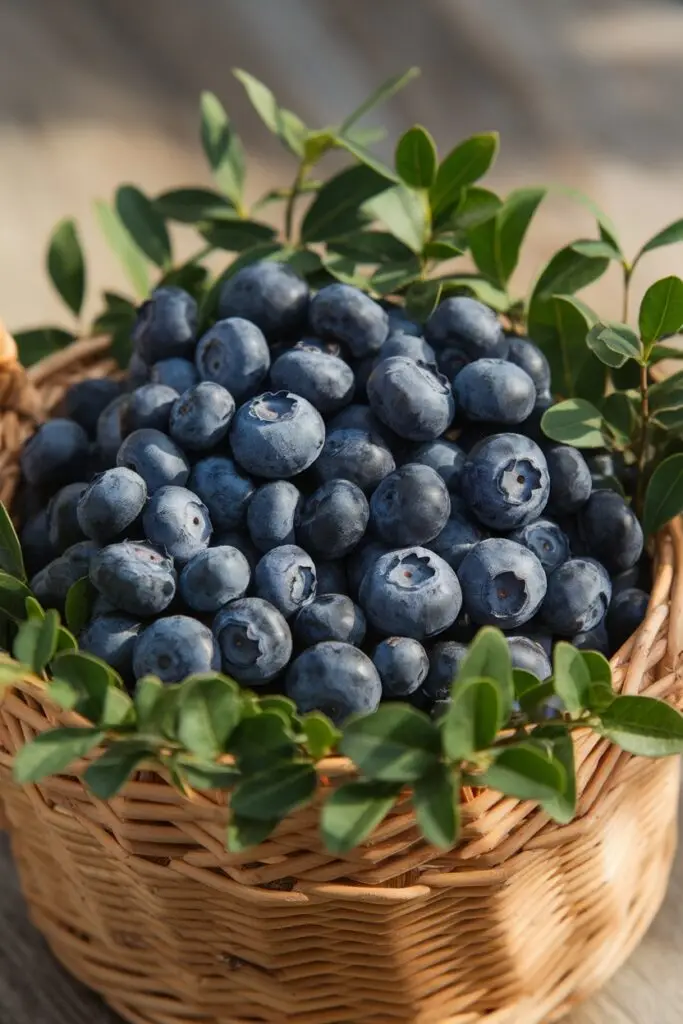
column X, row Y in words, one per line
column 140, row 900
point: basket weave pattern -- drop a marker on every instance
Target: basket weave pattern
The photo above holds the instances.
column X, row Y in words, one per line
column 138, row 897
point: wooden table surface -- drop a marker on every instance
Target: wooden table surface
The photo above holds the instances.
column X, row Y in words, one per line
column 585, row 92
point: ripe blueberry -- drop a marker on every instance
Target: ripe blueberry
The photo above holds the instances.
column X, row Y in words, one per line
column 494, row 391
column 410, row 506
column 344, row 313
column 286, row 577
column 254, row 640
column 235, row 354
column 410, row 592
column 579, row 593
column 174, row 648
column 213, row 577
column 111, row 503
column 334, row 519
column 402, row 664
column 270, row 294
column 505, row 481
column 610, row 530
column 335, row 678
column 464, row 323
column 201, row 416
column 503, row 583
column 277, row 435
column 273, row 514
column 329, row 617
column 413, row 399
column 224, row 489
column 135, row 577
column 154, row 457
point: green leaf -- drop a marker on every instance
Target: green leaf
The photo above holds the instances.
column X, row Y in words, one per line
column 245, row 833
column 144, row 224
column 620, row 413
column 340, row 269
column 416, row 158
column 596, row 247
column 106, row 776
column 489, row 658
column 404, row 212
column 562, row 806
column 608, row 231
column 480, row 289
column 384, row 92
column 36, row 641
column 614, row 343
column 668, row 394
column 422, row 298
column 534, row 698
column 321, row 735
column 283, row 123
column 237, row 235
column 276, row 791
column 660, row 352
column 192, row 205
column 353, row 811
column 223, row 148
column 574, row 422
column 464, row 165
column 397, row 743
column 481, row 240
column 281, row 705
column 50, row 753
column 66, row 264
column 123, row 246
column 206, row 775
column 435, row 801
column 156, row 706
column 190, row 276
column 101, row 698
column 11, row 558
column 390, row 278
column 582, row 679
column 643, row 726
column 66, row 641
column 79, row 602
column 566, row 273
column 473, row 719
column 524, row 682
column 365, row 157
column 372, row 247
column 261, row 741
column 13, row 597
column 527, row 772
column 477, row 205
column 33, row 609
column 664, row 495
column 668, row 236
column 37, row 343
column 661, row 311
column 335, row 211
column 208, row 713
column 367, row 136
column 512, row 223
column 442, row 249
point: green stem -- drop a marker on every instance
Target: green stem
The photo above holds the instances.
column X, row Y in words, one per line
column 644, row 435
column 292, row 198
column 628, row 271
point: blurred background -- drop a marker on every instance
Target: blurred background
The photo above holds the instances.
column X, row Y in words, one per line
column 92, row 94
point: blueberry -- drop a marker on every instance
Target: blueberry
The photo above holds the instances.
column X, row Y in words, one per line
column 531, row 426
column 494, row 391
column 55, row 454
column 400, row 321
column 402, row 664
column 334, row 678
column 51, row 584
column 346, row 314
column 331, row 577
column 411, row 398
column 63, row 525
column 334, row 519
column 111, row 503
column 270, row 294
column 112, row 427
column 224, row 489
column 166, row 325
column 505, row 481
column 355, row 454
column 235, row 354
column 503, row 583
column 610, row 530
column 445, row 662
column 579, row 593
column 35, row 543
column 277, row 435
column 112, row 638
column 286, row 577
column 361, row 417
column 329, row 617
column 535, row 630
column 464, row 323
column 547, row 541
column 638, row 576
column 135, row 577
column 327, row 382
column 360, row 560
column 410, row 592
column 86, row 399
column 236, row 539
column 626, row 612
column 451, row 361
column 445, row 457
column 154, row 457
column 311, row 344
column 530, row 656
column 213, row 577
column 150, row 406
column 174, row 648
column 595, row 639
column 201, row 416
column 525, row 354
column 137, row 372
column 254, row 639
column 179, row 374
column 176, row 521
column 456, row 540
column 570, row 479
column 402, row 343
column 273, row 514
column 410, row 506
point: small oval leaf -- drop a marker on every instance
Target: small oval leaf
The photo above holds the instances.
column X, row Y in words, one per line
column 574, row 422
column 664, row 495
column 66, row 264
column 661, row 311
column 416, row 157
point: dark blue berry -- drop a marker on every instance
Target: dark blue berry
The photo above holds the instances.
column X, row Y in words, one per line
column 570, row 479
column 166, row 325
column 468, row 325
column 179, row 374
column 254, row 640
column 503, row 583
column 327, row 382
column 154, row 457
column 270, row 294
column 410, row 592
column 346, row 314
column 626, row 612
column 333, row 520
column 55, row 454
column 277, row 435
column 150, row 406
column 174, row 648
column 525, row 354
column 135, row 577
column 494, row 391
column 413, row 399
column 235, row 354
column 273, row 514
column 63, row 526
column 286, row 577
column 410, row 506
column 201, row 416
column 579, row 593
column 111, row 503
column 335, row 678
column 214, row 577
column 329, row 617
column 610, row 530
column 505, row 481
column 112, row 638
column 548, row 542
column 86, row 399
column 402, row 664
column 224, row 489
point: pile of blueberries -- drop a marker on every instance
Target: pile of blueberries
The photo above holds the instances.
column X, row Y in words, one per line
column 322, row 498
